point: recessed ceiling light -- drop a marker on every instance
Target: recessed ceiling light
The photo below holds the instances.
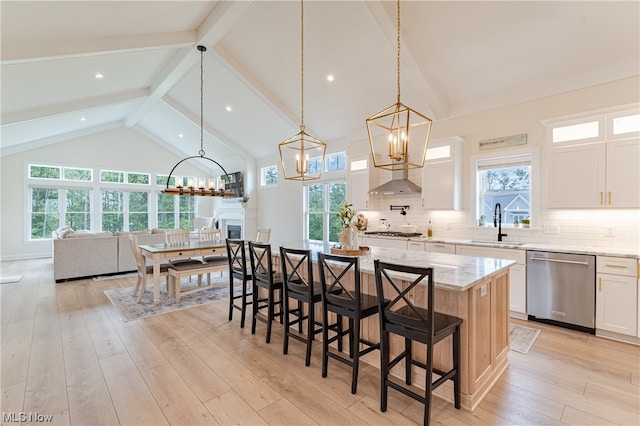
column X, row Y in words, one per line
column 99, row 76
column 83, row 119
column 180, row 135
column 228, row 108
column 330, row 77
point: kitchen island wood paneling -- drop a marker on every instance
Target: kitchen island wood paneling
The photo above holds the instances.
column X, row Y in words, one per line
column 475, row 289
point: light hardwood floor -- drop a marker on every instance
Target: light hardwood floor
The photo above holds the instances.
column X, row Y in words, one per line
column 66, row 353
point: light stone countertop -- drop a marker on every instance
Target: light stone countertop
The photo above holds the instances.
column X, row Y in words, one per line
column 451, row 271
column 558, row 248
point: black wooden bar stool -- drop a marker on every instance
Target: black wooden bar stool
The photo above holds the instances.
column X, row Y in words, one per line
column 263, row 276
column 297, row 273
column 237, row 257
column 414, row 323
column 342, row 294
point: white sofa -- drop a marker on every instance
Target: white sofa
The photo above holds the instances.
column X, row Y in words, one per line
column 85, row 254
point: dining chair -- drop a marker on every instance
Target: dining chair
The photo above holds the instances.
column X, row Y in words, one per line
column 342, row 295
column 298, row 284
column 143, row 270
column 264, row 277
column 238, row 270
column 264, row 235
column 177, row 236
column 211, row 235
column 402, row 317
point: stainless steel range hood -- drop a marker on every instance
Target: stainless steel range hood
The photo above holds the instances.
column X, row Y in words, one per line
column 399, row 184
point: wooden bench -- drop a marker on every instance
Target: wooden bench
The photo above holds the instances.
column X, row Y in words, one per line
column 177, row 272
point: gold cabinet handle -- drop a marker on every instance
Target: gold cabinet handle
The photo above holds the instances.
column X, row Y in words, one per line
column 601, row 197
column 600, row 284
column 609, row 197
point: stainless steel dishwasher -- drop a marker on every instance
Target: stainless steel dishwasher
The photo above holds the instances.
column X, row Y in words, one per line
column 561, row 289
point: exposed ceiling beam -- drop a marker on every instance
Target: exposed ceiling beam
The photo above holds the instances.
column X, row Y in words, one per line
column 434, row 98
column 214, row 27
column 48, row 51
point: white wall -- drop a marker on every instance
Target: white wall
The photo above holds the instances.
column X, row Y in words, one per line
column 120, row 149
column 577, row 227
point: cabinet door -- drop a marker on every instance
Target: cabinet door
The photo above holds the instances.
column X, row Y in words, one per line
column 441, row 248
column 416, row 246
column 441, row 175
column 623, row 173
column 576, row 177
column 358, row 182
column 388, row 243
column 616, row 299
column 518, row 290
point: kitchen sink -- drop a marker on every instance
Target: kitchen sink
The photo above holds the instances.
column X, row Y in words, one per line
column 500, row 243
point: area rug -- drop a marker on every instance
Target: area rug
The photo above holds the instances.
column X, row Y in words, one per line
column 128, row 308
column 521, row 338
column 114, row 276
column 10, row 279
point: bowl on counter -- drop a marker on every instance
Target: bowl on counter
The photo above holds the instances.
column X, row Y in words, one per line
column 408, row 228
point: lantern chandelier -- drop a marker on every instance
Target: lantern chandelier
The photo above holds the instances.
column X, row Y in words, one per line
column 294, row 152
column 198, row 186
column 398, row 135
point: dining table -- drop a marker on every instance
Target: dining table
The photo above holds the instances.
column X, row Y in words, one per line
column 158, row 253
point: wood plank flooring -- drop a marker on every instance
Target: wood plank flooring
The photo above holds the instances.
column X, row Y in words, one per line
column 66, row 353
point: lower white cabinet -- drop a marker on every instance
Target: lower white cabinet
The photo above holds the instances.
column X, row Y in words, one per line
column 441, row 248
column 617, row 295
column 517, row 274
column 396, row 243
column 416, row 245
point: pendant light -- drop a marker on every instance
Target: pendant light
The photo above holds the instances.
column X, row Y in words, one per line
column 398, row 135
column 198, row 186
column 302, row 153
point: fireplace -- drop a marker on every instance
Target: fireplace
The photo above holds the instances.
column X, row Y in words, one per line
column 234, row 232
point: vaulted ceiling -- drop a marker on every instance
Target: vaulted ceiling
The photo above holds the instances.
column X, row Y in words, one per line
column 457, row 57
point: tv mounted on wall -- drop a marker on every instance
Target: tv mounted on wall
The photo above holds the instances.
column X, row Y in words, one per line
column 234, row 183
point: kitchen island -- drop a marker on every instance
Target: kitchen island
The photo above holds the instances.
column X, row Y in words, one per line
column 475, row 289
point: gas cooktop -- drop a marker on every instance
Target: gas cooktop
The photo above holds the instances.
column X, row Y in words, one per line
column 393, row 234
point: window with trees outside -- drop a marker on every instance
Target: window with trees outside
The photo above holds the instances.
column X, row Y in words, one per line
column 506, row 181
column 322, row 205
column 269, row 176
column 124, row 200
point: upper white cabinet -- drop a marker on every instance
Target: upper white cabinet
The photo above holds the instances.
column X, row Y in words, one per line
column 358, row 182
column 595, row 175
column 441, row 174
column 593, row 161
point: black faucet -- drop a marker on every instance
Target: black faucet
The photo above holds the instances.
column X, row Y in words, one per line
column 497, row 220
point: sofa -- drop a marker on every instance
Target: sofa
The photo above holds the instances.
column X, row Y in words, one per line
column 85, row 254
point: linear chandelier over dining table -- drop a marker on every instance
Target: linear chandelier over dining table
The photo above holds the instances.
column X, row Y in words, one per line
column 196, row 186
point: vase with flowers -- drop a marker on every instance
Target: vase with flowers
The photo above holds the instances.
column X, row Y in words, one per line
column 349, row 236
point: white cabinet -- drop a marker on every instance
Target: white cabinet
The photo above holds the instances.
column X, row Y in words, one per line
column 416, row 245
column 441, row 248
column 617, row 295
column 517, row 274
column 358, row 183
column 595, row 175
column 441, row 175
column 394, row 243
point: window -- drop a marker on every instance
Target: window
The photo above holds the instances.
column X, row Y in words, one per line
column 111, row 176
column 77, row 174
column 112, row 211
column 506, row 181
column 138, row 211
column 45, row 214
column 332, row 163
column 77, row 208
column 576, row 132
column 138, row 178
column 323, row 202
column 269, row 176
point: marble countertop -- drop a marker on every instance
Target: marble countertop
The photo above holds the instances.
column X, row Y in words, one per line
column 559, row 248
column 451, row 272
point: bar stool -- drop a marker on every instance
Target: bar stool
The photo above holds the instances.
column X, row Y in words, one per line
column 403, row 318
column 297, row 272
column 263, row 276
column 237, row 258
column 338, row 275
